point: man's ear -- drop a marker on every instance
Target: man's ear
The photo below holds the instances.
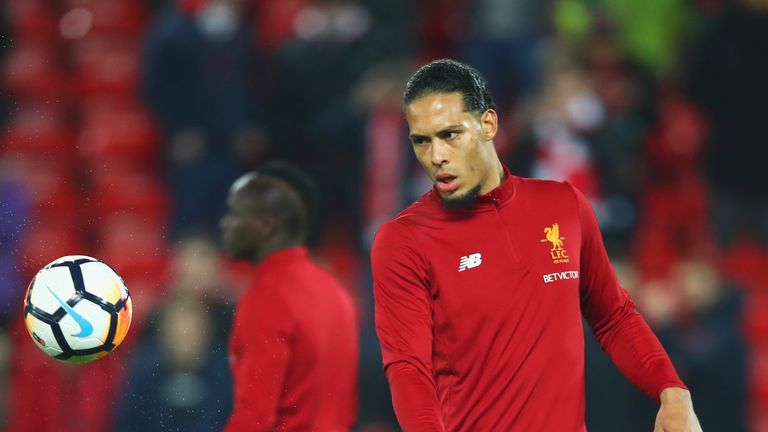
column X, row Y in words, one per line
column 266, row 227
column 489, row 121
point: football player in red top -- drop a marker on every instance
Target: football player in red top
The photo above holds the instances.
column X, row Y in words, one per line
column 481, row 285
column 293, row 347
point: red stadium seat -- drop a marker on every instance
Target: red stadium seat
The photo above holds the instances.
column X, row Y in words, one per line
column 678, row 143
column 39, row 132
column 33, row 20
column 674, row 210
column 654, row 253
column 759, row 371
column 34, row 410
column 115, row 192
column 29, row 365
column 31, row 71
column 106, row 65
column 756, row 317
column 53, row 193
column 43, row 242
column 340, row 258
column 274, row 21
column 125, row 134
column 746, row 263
column 113, row 16
column 135, row 246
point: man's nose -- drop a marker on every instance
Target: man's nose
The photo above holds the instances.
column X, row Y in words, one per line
column 440, row 152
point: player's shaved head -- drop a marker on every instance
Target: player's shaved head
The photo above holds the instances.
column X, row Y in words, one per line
column 280, row 192
column 268, row 209
column 274, row 199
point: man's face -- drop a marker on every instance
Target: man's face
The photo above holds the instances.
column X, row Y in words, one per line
column 241, row 230
column 454, row 146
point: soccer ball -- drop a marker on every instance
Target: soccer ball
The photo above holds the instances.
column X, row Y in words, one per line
column 77, row 309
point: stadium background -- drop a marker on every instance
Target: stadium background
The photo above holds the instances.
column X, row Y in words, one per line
column 124, row 121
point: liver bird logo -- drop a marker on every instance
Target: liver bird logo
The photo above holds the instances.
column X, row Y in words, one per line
column 553, row 236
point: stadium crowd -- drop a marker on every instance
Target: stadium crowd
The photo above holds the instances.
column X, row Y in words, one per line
column 125, row 122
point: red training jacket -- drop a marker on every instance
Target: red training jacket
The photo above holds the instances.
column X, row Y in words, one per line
column 294, row 350
column 478, row 311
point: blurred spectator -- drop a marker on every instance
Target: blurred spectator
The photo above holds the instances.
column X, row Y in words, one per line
column 179, row 378
column 198, row 80
column 396, row 22
column 674, row 194
column 676, row 146
column 611, row 399
column 556, row 145
column 587, row 126
column 651, row 31
column 387, row 180
column 314, row 123
column 727, row 78
column 626, row 92
column 696, row 315
column 648, row 32
column 378, row 94
column 504, row 43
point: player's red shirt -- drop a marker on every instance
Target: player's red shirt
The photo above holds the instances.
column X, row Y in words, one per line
column 478, row 311
column 294, row 349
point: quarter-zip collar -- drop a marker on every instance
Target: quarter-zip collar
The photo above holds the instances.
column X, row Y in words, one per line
column 493, row 199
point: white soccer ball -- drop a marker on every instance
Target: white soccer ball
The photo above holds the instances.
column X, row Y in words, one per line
column 77, row 309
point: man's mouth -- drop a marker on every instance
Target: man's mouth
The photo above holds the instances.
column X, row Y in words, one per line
column 446, row 182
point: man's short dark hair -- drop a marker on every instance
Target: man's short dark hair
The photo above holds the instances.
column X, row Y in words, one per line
column 298, row 220
column 449, row 76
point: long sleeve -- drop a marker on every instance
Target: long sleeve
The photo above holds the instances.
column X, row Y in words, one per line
column 261, row 343
column 404, row 323
column 618, row 327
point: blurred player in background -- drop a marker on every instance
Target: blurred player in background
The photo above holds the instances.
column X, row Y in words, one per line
column 481, row 285
column 293, row 347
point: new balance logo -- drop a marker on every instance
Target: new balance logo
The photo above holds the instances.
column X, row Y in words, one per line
column 470, row 261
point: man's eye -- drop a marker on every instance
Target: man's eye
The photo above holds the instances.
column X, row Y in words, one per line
column 451, row 135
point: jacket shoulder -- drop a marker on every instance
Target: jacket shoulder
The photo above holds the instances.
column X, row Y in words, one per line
column 537, row 190
column 526, row 184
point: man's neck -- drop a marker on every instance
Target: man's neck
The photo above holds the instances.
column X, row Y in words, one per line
column 275, row 247
column 495, row 180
